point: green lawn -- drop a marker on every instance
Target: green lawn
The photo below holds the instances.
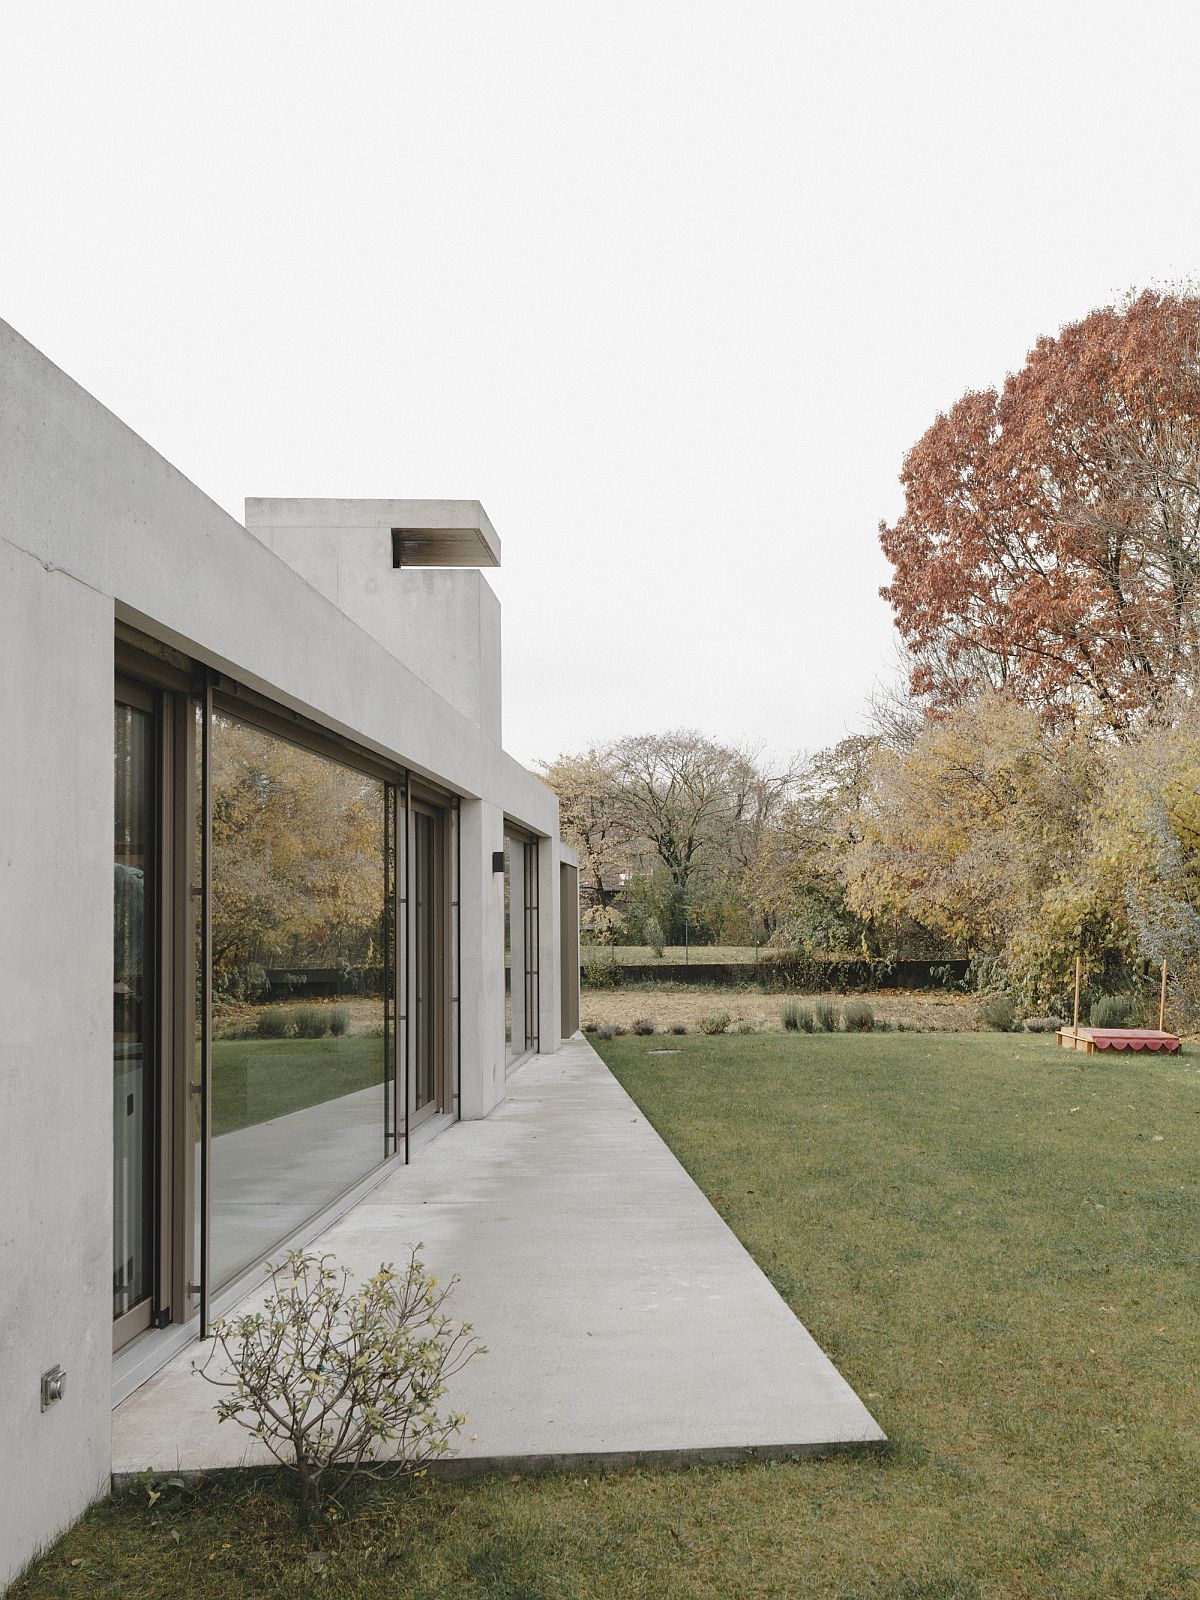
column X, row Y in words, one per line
column 998, row 1244
column 257, row 1079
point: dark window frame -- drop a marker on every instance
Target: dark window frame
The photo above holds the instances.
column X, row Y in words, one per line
column 171, row 1166
column 182, row 690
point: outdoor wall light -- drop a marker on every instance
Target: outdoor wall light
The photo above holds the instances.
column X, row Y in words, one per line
column 497, row 860
column 54, row 1386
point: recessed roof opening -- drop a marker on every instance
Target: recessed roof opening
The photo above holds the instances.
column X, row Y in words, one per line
column 425, row 533
column 441, row 547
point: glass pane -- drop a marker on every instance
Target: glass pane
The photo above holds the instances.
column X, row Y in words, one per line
column 426, row 992
column 197, row 1113
column 531, row 951
column 508, row 904
column 389, row 971
column 452, row 956
column 134, row 893
column 514, row 949
column 299, row 958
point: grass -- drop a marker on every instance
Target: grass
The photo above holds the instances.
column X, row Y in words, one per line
column 997, row 1243
column 257, row 1079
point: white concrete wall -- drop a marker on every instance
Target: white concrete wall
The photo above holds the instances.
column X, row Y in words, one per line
column 94, row 500
column 56, row 1141
column 94, row 525
column 443, row 623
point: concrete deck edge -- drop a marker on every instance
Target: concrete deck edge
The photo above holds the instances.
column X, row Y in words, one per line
column 461, row 1469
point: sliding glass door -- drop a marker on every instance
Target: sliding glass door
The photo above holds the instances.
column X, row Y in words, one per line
column 135, row 1012
column 301, row 908
column 153, row 1111
column 285, row 972
column 521, row 934
column 428, row 975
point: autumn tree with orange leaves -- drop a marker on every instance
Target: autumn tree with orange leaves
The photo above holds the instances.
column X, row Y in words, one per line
column 1050, row 540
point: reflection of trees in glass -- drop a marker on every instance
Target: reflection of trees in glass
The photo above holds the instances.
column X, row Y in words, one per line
column 129, row 918
column 298, row 857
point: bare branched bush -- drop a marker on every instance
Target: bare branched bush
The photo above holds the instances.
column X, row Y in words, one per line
column 717, row 1022
column 858, row 1017
column 338, row 1380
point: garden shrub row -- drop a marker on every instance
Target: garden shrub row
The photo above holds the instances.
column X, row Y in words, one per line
column 302, row 1022
column 602, row 969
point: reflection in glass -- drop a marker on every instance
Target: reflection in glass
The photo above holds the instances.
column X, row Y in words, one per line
column 389, row 973
column 300, row 897
column 198, row 993
column 426, row 990
column 515, row 1030
column 133, row 1009
column 450, row 856
column 508, row 952
column 531, row 944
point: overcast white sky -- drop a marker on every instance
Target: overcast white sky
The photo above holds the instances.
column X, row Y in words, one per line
column 669, row 287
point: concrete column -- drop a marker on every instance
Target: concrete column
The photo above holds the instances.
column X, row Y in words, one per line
column 481, row 910
column 568, row 956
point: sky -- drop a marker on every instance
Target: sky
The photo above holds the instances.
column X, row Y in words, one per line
column 669, row 287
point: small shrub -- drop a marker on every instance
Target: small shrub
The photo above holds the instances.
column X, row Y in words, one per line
column 643, row 1026
column 858, row 1017
column 797, row 1018
column 715, row 1022
column 679, row 1027
column 328, row 1372
column 1043, row 1024
column 655, row 937
column 998, row 1012
column 589, row 1027
column 601, row 972
column 945, row 977
column 339, row 1021
column 826, row 1015
column 742, row 1026
column 606, row 1031
column 1115, row 1011
column 620, row 1029
column 272, row 1023
column 310, row 1022
column 250, row 982
column 883, row 1027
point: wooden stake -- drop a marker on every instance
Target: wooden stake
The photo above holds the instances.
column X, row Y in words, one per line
column 1162, row 1002
column 1078, row 981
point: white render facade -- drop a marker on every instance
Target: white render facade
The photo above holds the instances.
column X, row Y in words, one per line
column 354, row 641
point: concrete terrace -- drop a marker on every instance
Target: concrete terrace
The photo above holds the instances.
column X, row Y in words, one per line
column 624, row 1321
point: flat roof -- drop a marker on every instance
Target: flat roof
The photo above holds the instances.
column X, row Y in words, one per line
column 425, row 533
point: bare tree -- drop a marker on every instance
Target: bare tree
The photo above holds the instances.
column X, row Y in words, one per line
column 590, row 818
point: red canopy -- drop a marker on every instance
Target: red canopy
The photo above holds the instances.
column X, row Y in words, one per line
column 1132, row 1039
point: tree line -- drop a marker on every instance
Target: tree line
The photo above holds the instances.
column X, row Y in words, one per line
column 1032, row 791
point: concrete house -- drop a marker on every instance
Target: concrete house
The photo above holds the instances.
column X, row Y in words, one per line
column 253, row 789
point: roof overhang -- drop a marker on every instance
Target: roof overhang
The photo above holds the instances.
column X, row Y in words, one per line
column 424, row 533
